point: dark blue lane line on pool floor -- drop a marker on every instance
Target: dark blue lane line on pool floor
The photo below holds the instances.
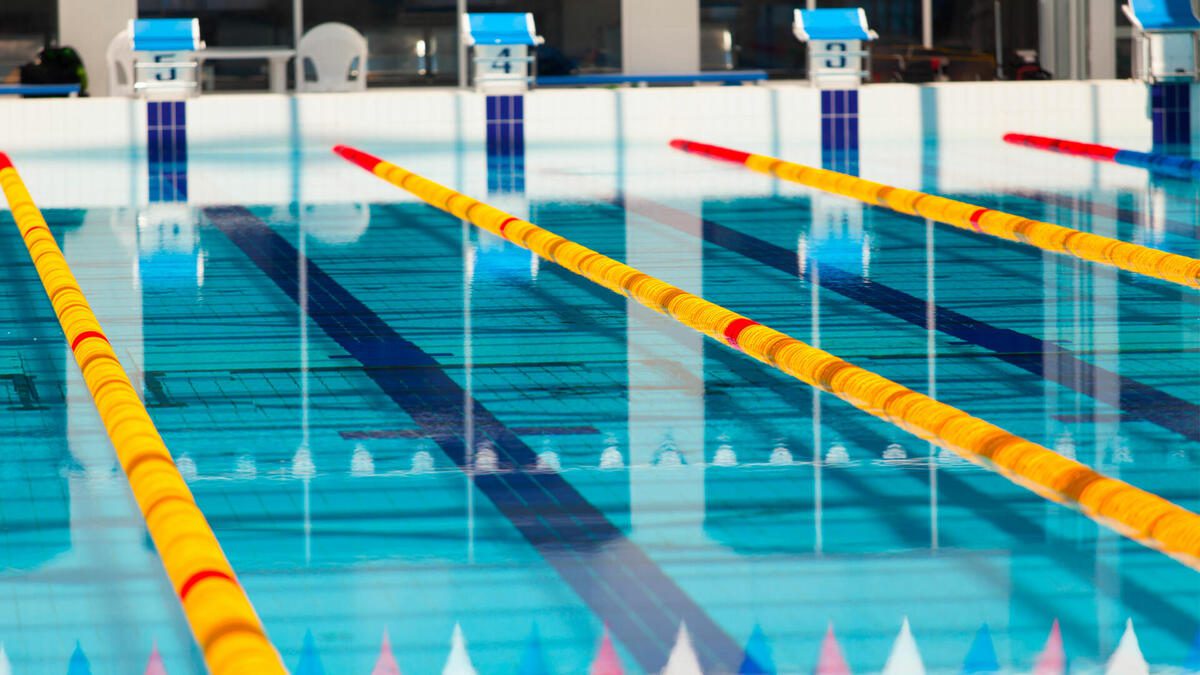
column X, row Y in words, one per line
column 640, row 604
column 1024, row 351
column 1148, row 605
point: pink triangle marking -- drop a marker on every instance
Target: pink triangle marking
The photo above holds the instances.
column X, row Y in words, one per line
column 606, row 662
column 155, row 665
column 831, row 661
column 1053, row 659
column 386, row 664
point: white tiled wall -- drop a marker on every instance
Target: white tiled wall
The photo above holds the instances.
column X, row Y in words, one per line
column 780, row 114
column 235, row 121
column 574, row 132
column 413, row 115
column 68, row 125
column 889, row 134
column 1109, row 110
column 84, row 182
column 572, row 116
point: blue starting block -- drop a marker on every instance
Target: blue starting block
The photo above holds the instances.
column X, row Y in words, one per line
column 501, row 43
column 1165, row 39
column 165, row 62
column 835, row 37
column 1164, row 56
column 165, row 35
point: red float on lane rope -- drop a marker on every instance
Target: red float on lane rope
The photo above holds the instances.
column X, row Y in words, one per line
column 85, row 335
column 1092, row 150
column 735, row 328
column 713, row 151
column 201, row 576
column 975, row 219
column 363, row 159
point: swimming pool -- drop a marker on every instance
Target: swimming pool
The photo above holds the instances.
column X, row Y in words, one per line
column 320, row 364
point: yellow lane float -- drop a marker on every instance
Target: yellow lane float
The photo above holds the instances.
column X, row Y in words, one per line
column 1135, row 258
column 1140, row 515
column 225, row 625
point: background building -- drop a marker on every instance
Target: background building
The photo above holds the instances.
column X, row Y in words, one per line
column 415, row 42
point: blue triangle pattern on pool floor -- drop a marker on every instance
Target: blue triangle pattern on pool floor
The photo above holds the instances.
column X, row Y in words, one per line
column 904, row 658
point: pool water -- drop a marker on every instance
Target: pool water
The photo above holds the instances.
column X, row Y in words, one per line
column 398, row 425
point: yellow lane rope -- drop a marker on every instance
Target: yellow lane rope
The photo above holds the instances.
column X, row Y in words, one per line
column 1046, row 236
column 221, row 617
column 1140, row 515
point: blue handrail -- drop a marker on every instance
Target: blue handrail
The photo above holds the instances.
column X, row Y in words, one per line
column 726, row 76
column 38, row 89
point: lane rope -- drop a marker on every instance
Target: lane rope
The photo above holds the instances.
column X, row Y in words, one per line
column 1133, row 512
column 1095, row 248
column 1171, row 165
column 223, row 621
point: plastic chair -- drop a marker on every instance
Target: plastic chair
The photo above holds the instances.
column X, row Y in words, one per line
column 119, row 57
column 338, row 56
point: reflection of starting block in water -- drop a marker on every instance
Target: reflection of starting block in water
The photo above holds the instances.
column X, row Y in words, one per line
column 169, row 245
column 335, row 223
column 836, row 236
column 835, row 37
column 493, row 260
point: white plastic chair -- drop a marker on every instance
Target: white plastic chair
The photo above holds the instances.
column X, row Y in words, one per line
column 119, row 57
column 338, row 55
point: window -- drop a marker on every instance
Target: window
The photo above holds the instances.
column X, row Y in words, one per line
column 231, row 23
column 898, row 21
column 758, row 34
column 964, row 31
column 25, row 27
column 409, row 41
column 580, row 35
column 752, row 34
column 416, row 41
column 1125, row 43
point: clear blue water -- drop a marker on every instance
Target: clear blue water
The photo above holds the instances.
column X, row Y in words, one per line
column 319, row 370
